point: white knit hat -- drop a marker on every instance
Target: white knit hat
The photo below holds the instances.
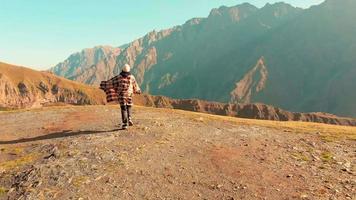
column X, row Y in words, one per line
column 126, row 68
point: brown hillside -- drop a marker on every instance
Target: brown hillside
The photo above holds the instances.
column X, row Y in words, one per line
column 21, row 87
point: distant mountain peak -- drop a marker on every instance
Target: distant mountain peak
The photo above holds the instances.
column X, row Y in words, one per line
column 194, row 21
column 234, row 13
column 278, row 4
column 77, row 63
column 279, row 9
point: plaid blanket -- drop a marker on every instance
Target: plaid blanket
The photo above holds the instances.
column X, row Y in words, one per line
column 120, row 89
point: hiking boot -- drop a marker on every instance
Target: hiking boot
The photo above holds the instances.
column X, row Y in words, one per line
column 124, row 126
column 131, row 123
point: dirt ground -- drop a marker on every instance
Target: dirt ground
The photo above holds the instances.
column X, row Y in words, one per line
column 80, row 153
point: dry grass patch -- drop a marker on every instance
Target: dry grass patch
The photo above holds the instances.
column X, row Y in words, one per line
column 15, row 150
column 80, row 180
column 5, row 109
column 24, row 160
column 327, row 157
column 326, row 131
column 300, row 157
column 3, row 191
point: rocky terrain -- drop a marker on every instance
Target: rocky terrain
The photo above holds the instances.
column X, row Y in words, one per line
column 21, row 87
column 308, row 58
column 79, row 153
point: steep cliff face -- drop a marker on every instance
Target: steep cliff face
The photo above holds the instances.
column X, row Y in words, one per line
column 193, row 60
column 24, row 88
column 253, row 82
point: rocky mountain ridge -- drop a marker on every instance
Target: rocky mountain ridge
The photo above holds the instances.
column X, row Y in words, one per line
column 308, row 55
column 89, row 65
column 250, row 111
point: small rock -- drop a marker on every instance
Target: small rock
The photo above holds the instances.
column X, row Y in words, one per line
column 312, row 144
column 53, row 151
column 347, row 164
column 345, row 169
column 315, row 158
column 289, row 175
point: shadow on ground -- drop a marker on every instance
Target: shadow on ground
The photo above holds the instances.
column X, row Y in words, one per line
column 62, row 134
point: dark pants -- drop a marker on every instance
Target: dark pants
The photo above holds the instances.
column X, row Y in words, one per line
column 126, row 113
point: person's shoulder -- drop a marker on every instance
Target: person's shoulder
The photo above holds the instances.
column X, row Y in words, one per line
column 117, row 76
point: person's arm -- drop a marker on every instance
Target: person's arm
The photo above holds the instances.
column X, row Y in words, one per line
column 136, row 88
column 106, row 85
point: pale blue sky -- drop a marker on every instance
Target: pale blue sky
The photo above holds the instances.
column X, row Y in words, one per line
column 41, row 33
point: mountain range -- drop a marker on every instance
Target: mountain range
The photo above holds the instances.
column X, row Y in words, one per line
column 297, row 59
column 21, row 87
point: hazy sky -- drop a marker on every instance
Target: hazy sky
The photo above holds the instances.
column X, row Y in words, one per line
column 41, row 33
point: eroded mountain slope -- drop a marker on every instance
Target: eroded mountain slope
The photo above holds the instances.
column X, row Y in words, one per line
column 22, row 87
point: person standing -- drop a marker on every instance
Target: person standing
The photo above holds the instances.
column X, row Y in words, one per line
column 121, row 88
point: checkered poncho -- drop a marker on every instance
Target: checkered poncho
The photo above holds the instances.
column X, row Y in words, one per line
column 120, row 88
